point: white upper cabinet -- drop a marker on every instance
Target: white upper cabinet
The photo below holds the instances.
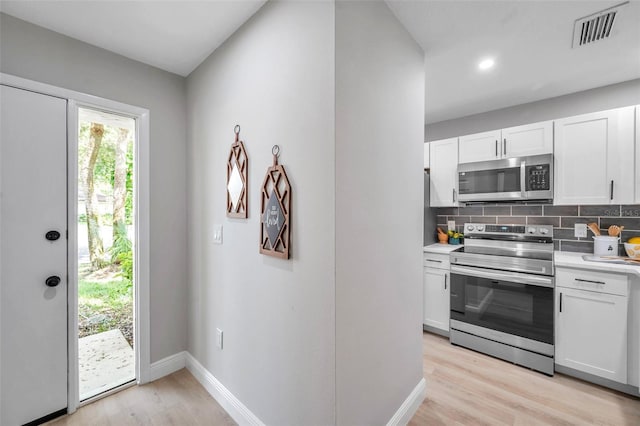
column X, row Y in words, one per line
column 444, row 173
column 594, row 158
column 426, row 156
column 480, row 147
column 529, row 139
column 637, row 169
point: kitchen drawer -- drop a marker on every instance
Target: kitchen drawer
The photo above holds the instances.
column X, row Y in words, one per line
column 436, row 260
column 602, row 282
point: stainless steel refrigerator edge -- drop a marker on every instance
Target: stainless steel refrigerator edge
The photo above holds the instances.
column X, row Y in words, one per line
column 429, row 229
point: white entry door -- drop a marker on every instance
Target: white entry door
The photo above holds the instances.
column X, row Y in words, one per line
column 33, row 271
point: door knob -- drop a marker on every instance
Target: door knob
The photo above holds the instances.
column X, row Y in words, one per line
column 52, row 281
column 52, row 235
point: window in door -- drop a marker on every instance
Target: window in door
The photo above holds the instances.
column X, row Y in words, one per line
column 106, row 240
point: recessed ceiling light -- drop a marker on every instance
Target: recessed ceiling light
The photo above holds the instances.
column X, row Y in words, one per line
column 486, row 64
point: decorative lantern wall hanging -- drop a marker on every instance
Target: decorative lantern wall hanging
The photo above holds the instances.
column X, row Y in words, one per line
column 237, row 178
column 275, row 218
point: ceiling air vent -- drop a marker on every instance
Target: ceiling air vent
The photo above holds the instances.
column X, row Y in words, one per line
column 595, row 27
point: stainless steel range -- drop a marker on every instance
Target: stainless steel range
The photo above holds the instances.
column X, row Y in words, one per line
column 502, row 290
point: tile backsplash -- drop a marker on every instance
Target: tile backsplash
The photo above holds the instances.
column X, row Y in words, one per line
column 563, row 219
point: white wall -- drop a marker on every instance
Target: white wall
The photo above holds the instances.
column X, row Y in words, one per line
column 599, row 99
column 379, row 196
column 291, row 327
column 274, row 77
column 34, row 53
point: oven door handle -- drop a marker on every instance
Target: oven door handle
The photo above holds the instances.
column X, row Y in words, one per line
column 512, row 277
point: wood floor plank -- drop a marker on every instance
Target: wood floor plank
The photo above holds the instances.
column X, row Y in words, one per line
column 463, row 388
column 177, row 399
column 466, row 387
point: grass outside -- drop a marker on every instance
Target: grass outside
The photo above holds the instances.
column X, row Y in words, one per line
column 105, row 302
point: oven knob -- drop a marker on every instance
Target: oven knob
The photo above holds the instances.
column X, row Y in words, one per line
column 480, row 228
column 470, row 227
column 544, row 231
column 531, row 230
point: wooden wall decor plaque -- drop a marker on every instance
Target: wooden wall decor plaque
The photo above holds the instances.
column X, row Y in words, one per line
column 275, row 217
column 237, row 178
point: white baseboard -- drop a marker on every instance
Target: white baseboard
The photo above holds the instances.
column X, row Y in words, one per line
column 410, row 405
column 167, row 365
column 236, row 409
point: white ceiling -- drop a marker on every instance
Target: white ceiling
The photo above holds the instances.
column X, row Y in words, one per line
column 175, row 36
column 530, row 40
column 531, row 43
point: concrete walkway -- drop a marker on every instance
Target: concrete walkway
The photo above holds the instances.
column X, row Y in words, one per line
column 106, row 361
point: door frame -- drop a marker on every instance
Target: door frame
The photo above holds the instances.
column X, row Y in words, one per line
column 78, row 100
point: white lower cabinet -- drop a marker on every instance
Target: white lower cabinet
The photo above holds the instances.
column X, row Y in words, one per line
column 436, row 291
column 591, row 322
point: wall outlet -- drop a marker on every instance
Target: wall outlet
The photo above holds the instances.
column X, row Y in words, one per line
column 580, row 230
column 217, row 234
column 219, row 338
column 451, row 225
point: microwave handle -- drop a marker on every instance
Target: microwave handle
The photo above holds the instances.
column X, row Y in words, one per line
column 523, row 178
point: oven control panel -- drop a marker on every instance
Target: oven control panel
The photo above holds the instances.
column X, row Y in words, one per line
column 480, row 229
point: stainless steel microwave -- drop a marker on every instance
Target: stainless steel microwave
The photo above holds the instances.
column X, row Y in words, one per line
column 509, row 179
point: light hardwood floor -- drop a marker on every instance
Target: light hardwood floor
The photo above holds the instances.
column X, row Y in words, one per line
column 463, row 388
column 177, row 399
column 468, row 388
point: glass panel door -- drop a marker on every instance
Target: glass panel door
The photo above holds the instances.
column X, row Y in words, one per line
column 106, row 231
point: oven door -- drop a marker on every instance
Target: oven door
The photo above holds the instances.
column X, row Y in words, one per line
column 508, row 302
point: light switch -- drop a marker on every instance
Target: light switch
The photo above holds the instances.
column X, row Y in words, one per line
column 217, row 234
column 219, row 336
column 451, row 225
column 580, row 230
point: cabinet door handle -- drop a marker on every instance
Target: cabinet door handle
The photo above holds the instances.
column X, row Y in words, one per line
column 580, row 280
column 445, row 281
column 496, row 148
column 560, row 302
column 431, row 260
column 611, row 191
column 504, row 149
column 454, row 194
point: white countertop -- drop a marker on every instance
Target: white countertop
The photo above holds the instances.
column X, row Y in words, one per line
column 575, row 260
column 440, row 248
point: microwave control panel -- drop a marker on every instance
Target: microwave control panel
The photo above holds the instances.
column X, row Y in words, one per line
column 538, row 177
